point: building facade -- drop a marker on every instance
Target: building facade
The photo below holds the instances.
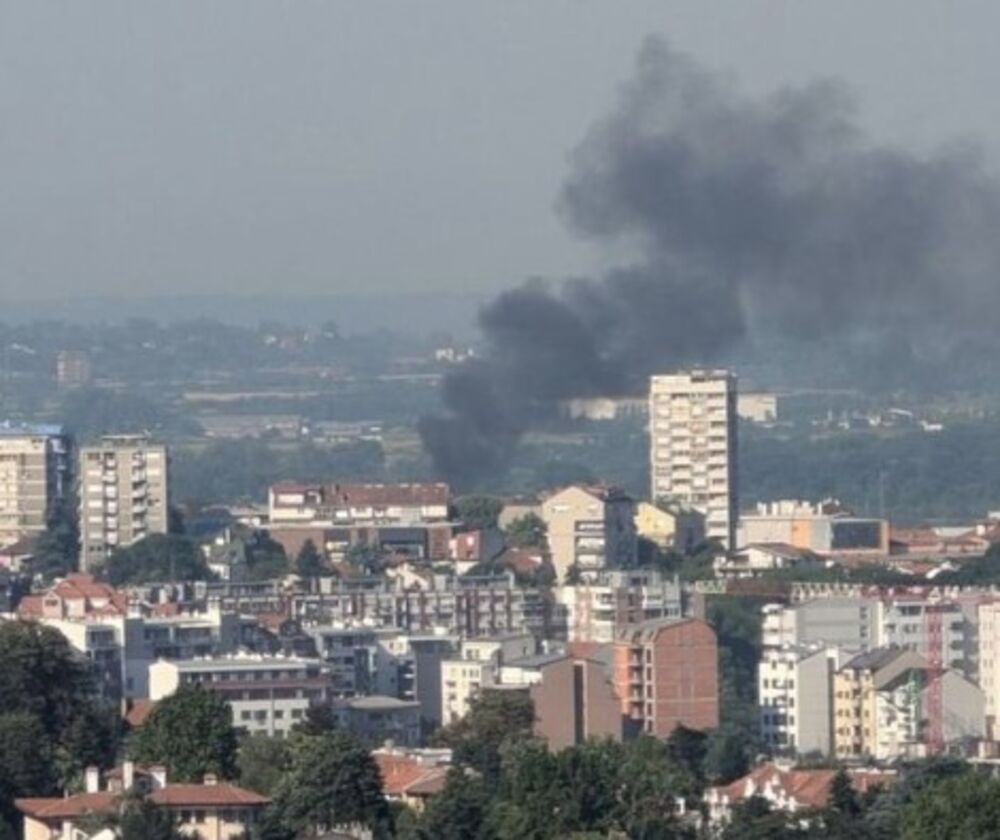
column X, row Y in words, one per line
column 123, row 495
column 795, row 690
column 34, row 466
column 268, row 695
column 590, row 529
column 693, row 446
column 595, row 611
column 666, row 675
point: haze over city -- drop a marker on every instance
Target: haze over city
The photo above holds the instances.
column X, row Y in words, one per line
column 472, row 421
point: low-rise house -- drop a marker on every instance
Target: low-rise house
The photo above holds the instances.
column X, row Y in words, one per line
column 213, row 810
column 760, row 558
column 786, row 789
column 412, row 776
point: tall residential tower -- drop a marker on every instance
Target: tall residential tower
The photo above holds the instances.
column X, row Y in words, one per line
column 123, row 495
column 34, row 464
column 692, row 433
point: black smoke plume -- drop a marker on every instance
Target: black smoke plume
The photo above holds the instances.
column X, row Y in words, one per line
column 743, row 215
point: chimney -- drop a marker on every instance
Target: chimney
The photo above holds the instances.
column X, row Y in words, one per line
column 211, row 779
column 159, row 774
column 128, row 775
column 92, row 780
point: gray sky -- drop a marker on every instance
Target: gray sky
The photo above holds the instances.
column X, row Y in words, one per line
column 313, row 146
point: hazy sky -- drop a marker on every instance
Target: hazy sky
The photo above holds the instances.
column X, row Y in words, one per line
column 313, row 146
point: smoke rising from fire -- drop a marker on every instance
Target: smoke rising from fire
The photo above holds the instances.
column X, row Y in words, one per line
column 743, row 215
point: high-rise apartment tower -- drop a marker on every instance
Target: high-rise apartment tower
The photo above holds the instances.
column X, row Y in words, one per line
column 34, row 462
column 692, row 432
column 123, row 495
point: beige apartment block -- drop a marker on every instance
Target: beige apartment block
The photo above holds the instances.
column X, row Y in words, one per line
column 590, row 528
column 33, row 466
column 123, row 495
column 692, row 432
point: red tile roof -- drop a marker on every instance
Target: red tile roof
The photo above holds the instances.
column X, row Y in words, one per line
column 171, row 796
column 404, row 775
column 138, row 711
column 808, row 788
column 56, row 808
column 220, row 794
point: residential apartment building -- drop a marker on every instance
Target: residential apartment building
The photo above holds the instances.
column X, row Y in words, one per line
column 883, row 708
column 120, row 639
column 476, row 668
column 595, row 611
column 671, row 525
column 376, row 720
column 590, row 528
column 573, row 696
column 825, row 528
column 855, row 697
column 795, row 698
column 123, row 495
column 989, row 663
column 291, row 502
column 666, row 675
column 410, row 519
column 73, row 368
column 938, row 629
column 267, row 694
column 34, row 465
column 848, row 621
column 469, row 606
column 693, row 446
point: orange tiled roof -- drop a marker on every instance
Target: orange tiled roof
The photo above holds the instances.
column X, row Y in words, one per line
column 809, row 788
column 170, row 796
column 403, row 775
column 138, row 711
column 205, row 795
column 56, row 807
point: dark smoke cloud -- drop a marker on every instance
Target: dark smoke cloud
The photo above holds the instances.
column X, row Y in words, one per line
column 743, row 215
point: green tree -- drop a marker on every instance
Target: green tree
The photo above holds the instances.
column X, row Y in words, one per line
column 459, row 811
column 844, row 798
column 25, row 761
column 319, row 720
column 967, row 806
column 191, row 734
column 528, row 531
column 52, row 724
column 266, row 558
column 754, row 819
column 309, row 563
column 158, row 557
column 57, row 548
column 495, row 719
column 331, row 780
column 261, row 761
column 478, row 512
column 140, row 819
